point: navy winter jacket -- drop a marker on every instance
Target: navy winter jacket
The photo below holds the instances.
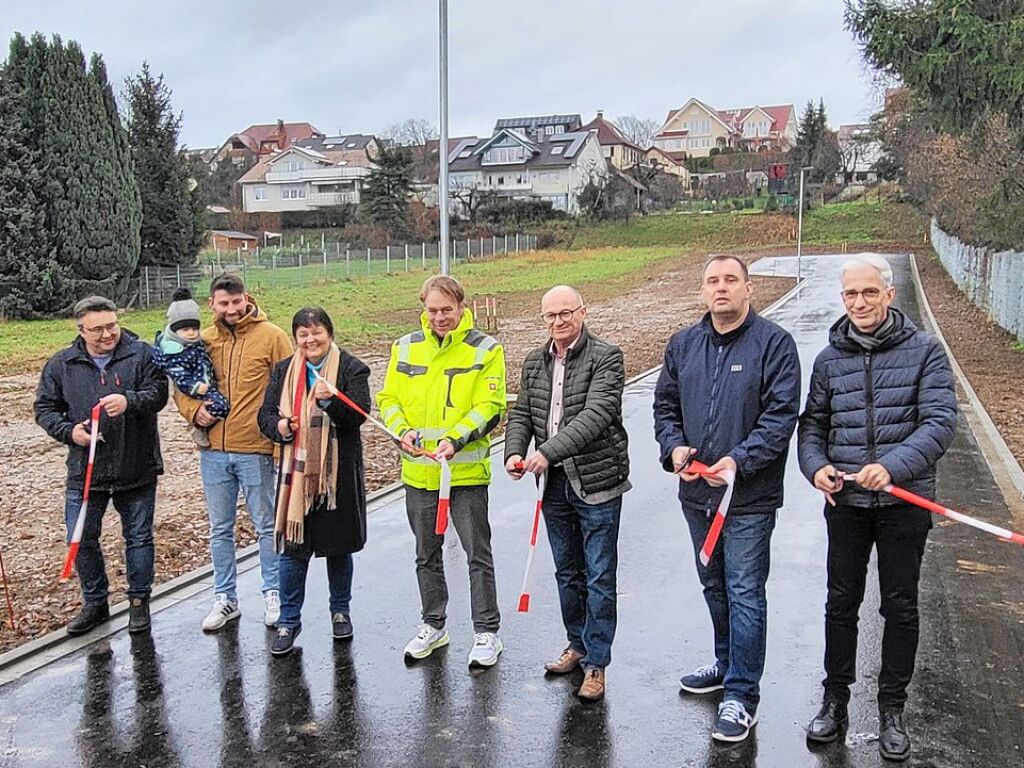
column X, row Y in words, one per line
column 895, row 406
column 188, row 369
column 71, row 384
column 736, row 394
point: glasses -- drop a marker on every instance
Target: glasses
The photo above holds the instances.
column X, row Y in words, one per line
column 565, row 315
column 869, row 294
column 99, row 330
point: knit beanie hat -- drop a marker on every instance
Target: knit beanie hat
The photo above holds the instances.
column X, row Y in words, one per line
column 183, row 312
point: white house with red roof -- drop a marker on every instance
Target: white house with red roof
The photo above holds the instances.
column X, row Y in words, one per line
column 258, row 141
column 695, row 128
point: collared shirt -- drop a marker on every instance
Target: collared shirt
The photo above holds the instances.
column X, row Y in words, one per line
column 557, row 386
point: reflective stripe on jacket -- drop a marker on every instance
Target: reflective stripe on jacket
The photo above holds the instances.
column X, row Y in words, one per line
column 451, row 389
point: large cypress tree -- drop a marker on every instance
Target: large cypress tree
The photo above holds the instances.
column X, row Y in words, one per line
column 66, row 120
column 171, row 210
column 385, row 196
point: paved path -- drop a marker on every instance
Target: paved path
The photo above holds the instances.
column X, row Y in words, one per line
column 184, row 699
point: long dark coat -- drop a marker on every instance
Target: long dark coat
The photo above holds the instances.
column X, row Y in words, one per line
column 343, row 529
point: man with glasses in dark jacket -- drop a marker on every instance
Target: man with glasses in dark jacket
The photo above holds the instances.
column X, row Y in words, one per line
column 728, row 396
column 111, row 367
column 881, row 409
column 570, row 406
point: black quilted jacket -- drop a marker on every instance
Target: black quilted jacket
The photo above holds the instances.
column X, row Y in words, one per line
column 591, row 441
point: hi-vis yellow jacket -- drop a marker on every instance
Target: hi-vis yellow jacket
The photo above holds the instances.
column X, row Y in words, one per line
column 452, row 389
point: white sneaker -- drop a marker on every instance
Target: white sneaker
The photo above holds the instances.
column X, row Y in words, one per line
column 427, row 641
column 272, row 610
column 486, row 648
column 222, row 612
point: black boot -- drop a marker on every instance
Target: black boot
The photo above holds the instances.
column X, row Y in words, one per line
column 138, row 615
column 829, row 723
column 893, row 741
column 90, row 617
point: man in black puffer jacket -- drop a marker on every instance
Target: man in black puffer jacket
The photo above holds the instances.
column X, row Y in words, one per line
column 882, row 409
column 570, row 406
column 111, row 367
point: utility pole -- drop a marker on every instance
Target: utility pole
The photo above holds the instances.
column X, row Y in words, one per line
column 442, row 144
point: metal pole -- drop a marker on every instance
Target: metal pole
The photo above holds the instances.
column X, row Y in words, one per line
column 800, row 229
column 348, row 265
column 442, row 145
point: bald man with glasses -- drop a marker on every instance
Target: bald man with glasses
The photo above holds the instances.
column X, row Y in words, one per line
column 570, row 407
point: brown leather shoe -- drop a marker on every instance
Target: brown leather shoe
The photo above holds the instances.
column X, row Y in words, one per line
column 566, row 663
column 593, row 685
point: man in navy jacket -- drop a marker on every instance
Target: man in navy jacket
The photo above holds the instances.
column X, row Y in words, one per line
column 728, row 396
column 882, row 408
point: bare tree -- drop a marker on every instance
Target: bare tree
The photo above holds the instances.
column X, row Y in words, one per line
column 639, row 130
column 414, row 132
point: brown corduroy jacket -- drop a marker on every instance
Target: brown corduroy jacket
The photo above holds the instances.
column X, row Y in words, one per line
column 243, row 357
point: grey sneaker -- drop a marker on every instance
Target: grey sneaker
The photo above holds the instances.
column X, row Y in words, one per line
column 427, row 641
column 341, row 626
column 222, row 612
column 703, row 680
column 284, row 643
column 487, row 646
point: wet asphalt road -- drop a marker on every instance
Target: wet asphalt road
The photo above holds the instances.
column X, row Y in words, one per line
column 181, row 698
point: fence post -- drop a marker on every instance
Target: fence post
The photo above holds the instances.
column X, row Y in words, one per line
column 273, row 260
column 300, row 258
column 506, row 244
column 494, row 244
column 517, row 242
column 367, row 261
column 348, row 264
column 406, row 257
column 387, row 258
column 423, row 254
column 325, row 261
column 179, row 275
column 146, row 270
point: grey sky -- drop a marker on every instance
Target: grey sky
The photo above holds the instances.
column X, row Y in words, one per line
column 362, row 66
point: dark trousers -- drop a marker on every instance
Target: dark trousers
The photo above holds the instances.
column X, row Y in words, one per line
column 294, row 565
column 584, row 543
column 899, row 534
column 468, row 512
column 734, row 590
column 135, row 507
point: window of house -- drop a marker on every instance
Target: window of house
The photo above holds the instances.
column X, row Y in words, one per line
column 549, row 129
column 293, row 193
column 557, row 149
column 559, row 129
column 611, row 151
column 296, row 165
column 260, row 193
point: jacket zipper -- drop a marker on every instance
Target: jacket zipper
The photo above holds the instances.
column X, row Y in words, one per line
column 869, row 399
column 714, row 396
column 231, row 362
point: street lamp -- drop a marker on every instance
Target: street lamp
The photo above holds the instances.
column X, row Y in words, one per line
column 442, row 143
column 800, row 225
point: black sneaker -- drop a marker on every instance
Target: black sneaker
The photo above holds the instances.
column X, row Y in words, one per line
column 734, row 722
column 703, row 680
column 285, row 640
column 829, row 723
column 341, row 626
column 893, row 740
column 138, row 615
column 90, row 617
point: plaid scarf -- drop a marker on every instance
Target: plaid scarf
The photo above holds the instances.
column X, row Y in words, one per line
column 310, row 461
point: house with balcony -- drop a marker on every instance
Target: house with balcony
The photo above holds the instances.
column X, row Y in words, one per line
column 314, row 173
column 513, row 164
column 695, row 128
column 258, row 141
column 537, row 126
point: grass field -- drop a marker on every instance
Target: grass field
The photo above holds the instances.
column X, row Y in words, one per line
column 605, row 260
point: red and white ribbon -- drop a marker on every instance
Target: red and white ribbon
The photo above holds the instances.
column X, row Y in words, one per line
column 524, row 594
column 715, row 531
column 76, row 535
column 444, row 496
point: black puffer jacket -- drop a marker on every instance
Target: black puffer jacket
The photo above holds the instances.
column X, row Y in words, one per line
column 895, row 406
column 71, row 384
column 591, row 441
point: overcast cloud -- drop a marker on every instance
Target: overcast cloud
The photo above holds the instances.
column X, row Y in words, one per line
column 362, row 66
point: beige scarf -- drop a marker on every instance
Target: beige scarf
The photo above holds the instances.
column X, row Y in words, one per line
column 311, row 460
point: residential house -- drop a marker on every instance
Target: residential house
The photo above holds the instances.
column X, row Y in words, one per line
column 312, row 173
column 695, row 129
column 618, row 151
column 660, row 159
column 554, row 166
column 258, row 141
column 859, row 150
column 541, row 125
column 230, row 240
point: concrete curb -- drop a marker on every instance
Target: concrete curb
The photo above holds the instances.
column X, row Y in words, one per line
column 997, row 454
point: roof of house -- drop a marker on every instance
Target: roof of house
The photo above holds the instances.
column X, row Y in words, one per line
column 232, row 233
column 353, row 158
column 608, row 132
column 355, row 141
column 673, row 157
column 287, row 133
column 853, row 130
column 453, row 142
column 539, row 121
column 733, row 118
column 558, row 150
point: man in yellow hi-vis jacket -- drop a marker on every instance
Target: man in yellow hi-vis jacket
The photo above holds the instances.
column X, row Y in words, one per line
column 444, row 392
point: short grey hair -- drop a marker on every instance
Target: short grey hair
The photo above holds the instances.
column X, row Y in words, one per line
column 871, row 261
column 93, row 304
column 575, row 292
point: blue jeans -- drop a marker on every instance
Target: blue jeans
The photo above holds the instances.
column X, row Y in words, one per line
column 294, row 565
column 734, row 589
column 223, row 475
column 136, row 510
column 584, row 542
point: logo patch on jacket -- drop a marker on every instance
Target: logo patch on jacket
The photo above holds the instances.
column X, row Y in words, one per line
column 736, row 368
